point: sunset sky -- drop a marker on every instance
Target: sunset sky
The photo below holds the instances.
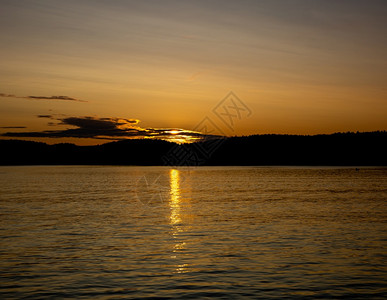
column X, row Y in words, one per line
column 91, row 71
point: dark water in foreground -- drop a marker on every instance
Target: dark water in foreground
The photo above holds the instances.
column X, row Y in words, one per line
column 224, row 232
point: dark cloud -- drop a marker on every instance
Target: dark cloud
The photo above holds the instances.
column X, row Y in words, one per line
column 108, row 128
column 54, row 98
column 66, row 98
column 13, row 127
column 117, row 125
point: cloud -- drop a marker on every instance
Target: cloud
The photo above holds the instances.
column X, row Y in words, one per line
column 13, row 127
column 7, row 96
column 65, row 98
column 109, row 129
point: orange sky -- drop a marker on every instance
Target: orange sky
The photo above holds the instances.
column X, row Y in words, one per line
column 300, row 67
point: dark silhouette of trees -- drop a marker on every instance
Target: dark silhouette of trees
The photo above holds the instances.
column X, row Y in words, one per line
column 367, row 148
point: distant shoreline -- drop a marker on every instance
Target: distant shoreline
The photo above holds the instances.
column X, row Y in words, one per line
column 339, row 149
column 212, row 167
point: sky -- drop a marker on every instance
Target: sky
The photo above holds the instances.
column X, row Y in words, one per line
column 92, row 71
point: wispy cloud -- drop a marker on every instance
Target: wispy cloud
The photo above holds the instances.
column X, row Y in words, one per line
column 63, row 98
column 13, row 127
column 108, row 129
column 45, row 116
column 66, row 98
column 2, row 95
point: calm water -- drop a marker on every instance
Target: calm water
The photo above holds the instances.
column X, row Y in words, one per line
column 224, row 232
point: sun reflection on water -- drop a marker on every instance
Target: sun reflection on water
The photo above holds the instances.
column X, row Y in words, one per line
column 174, row 202
column 176, row 221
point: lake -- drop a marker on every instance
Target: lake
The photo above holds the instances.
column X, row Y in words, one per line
column 193, row 233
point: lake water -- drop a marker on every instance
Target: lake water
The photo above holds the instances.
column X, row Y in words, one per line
column 219, row 232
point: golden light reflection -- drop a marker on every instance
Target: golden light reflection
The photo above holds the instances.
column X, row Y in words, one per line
column 174, row 202
column 182, row 268
column 176, row 221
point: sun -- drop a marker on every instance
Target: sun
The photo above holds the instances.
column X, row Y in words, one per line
column 174, row 132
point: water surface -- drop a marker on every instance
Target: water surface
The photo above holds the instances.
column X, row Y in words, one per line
column 224, row 232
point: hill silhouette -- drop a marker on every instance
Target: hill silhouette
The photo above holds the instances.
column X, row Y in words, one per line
column 340, row 149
